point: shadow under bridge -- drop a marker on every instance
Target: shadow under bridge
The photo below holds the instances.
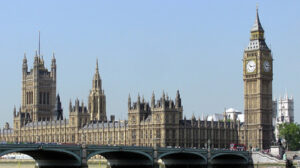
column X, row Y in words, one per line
column 48, row 157
column 183, row 160
column 229, row 160
column 119, row 157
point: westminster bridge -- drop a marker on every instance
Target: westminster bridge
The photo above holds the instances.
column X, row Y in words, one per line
column 76, row 156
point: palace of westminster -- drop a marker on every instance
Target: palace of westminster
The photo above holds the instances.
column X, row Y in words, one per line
column 159, row 121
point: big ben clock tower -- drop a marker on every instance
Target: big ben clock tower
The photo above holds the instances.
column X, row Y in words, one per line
column 258, row 76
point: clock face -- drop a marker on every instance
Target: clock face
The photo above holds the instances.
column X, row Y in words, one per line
column 251, row 66
column 267, row 66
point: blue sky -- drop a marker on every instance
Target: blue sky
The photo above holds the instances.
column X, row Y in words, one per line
column 144, row 46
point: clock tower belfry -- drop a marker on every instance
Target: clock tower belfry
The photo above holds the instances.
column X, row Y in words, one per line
column 257, row 76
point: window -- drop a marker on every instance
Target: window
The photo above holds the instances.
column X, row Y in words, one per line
column 157, row 118
column 133, row 119
column 157, row 133
column 133, row 134
column 167, row 118
column 44, row 98
column 173, row 134
column 47, row 97
column 41, row 97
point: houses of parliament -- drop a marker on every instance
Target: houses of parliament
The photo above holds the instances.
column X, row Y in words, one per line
column 158, row 121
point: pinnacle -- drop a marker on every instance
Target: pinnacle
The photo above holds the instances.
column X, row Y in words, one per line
column 53, row 55
column 257, row 25
column 97, row 67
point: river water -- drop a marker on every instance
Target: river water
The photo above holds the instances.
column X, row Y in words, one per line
column 32, row 165
column 99, row 164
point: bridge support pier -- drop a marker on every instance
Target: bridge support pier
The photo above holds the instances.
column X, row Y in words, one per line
column 83, row 157
column 155, row 157
column 84, row 166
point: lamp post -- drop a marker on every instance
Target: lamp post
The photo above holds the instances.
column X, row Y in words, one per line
column 208, row 153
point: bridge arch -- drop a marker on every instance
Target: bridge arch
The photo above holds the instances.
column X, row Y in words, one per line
column 48, row 157
column 230, row 159
column 182, row 159
column 125, row 158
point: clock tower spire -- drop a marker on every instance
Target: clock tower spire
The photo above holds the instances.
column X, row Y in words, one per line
column 257, row 76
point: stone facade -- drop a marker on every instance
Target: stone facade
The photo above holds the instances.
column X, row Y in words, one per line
column 159, row 123
column 38, row 90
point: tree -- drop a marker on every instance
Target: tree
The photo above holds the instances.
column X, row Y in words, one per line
column 291, row 133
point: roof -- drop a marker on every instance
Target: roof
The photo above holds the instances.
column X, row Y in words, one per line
column 257, row 25
column 257, row 44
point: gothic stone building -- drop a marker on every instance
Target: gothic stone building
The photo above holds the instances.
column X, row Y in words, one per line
column 158, row 122
column 40, row 118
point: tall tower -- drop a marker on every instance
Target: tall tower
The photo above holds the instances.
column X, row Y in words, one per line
column 38, row 89
column 285, row 113
column 258, row 76
column 97, row 100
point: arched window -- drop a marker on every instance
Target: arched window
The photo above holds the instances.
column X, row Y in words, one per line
column 157, row 118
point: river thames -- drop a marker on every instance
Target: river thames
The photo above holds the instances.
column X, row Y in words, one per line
column 31, row 164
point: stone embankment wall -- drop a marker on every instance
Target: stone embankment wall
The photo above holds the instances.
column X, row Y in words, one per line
column 262, row 160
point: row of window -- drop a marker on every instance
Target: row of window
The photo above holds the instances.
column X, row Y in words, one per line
column 29, row 97
column 44, row 98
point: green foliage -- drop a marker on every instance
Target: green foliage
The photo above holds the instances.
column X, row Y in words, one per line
column 291, row 133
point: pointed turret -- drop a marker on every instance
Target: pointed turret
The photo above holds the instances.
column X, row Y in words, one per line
column 36, row 59
column 58, row 112
column 153, row 100
column 15, row 111
column 82, row 106
column 129, row 102
column 163, row 100
column 138, row 99
column 143, row 99
column 53, row 59
column 97, row 79
column 257, row 39
column 70, row 106
column 178, row 99
column 77, row 105
column 97, row 99
column 257, row 25
column 42, row 63
column 25, row 66
column 53, row 66
column 193, row 117
column 24, row 59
